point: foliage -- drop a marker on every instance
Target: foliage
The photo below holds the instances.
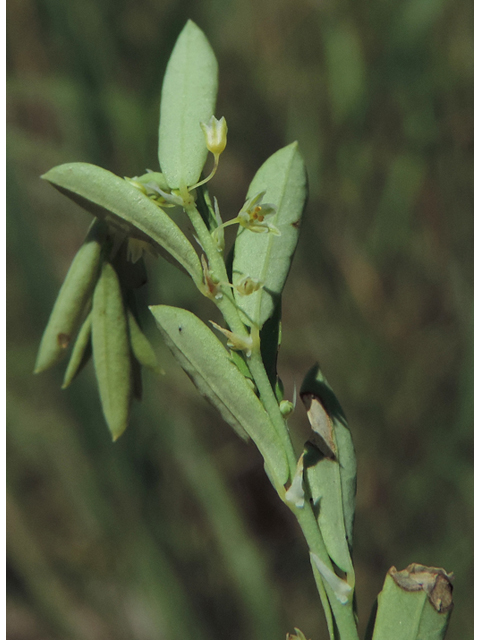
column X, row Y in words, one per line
column 394, row 300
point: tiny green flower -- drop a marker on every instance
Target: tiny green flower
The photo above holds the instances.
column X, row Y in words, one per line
column 172, row 199
column 253, row 215
column 247, row 285
column 236, row 342
column 212, row 287
column 153, row 191
column 215, row 132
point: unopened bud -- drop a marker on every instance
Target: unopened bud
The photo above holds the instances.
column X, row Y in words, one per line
column 215, row 134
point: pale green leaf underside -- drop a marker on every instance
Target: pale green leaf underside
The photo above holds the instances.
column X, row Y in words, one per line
column 323, row 479
column 72, row 299
column 332, row 480
column 111, row 351
column 125, row 208
column 79, row 351
column 265, row 256
column 208, row 364
column 141, row 347
column 189, row 93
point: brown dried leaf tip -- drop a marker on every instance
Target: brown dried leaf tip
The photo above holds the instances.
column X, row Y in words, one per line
column 436, row 583
column 321, row 423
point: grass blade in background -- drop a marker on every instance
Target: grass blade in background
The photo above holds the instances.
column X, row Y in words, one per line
column 243, row 560
column 189, row 93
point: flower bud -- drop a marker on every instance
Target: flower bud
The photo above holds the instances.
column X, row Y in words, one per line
column 286, row 408
column 215, row 135
column 247, row 285
column 235, row 341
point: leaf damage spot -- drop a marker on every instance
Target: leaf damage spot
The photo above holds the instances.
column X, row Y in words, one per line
column 436, row 583
column 63, row 340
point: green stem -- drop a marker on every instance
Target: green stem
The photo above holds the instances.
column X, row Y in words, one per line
column 230, row 312
column 342, row 613
column 270, row 402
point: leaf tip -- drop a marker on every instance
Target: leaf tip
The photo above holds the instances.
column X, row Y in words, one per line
column 117, row 434
column 42, row 363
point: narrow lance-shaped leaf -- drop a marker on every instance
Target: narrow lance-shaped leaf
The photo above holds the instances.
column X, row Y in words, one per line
column 265, row 256
column 270, row 339
column 205, row 208
column 72, row 299
column 81, row 351
column 414, row 604
column 137, row 383
column 125, row 208
column 208, row 364
column 330, row 469
column 189, row 93
column 111, row 351
column 141, row 347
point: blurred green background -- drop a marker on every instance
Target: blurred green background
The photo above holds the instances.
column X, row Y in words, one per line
column 174, row 531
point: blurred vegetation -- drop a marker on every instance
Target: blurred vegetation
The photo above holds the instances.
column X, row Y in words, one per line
column 174, row 531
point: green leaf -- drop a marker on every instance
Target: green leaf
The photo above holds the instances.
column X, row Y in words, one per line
column 208, row 364
column 111, row 351
column 188, row 97
column 205, row 208
column 141, row 347
column 137, row 384
column 265, row 256
column 153, row 178
column 238, row 360
column 80, row 353
column 270, row 337
column 72, row 299
column 330, row 469
column 414, row 604
column 125, row 208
